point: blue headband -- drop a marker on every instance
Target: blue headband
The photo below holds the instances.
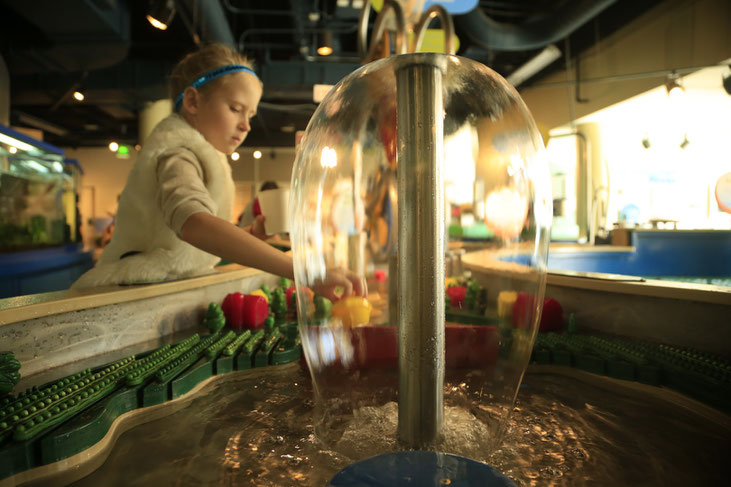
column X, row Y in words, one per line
column 211, row 75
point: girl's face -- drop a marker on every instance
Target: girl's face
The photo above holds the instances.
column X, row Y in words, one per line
column 223, row 113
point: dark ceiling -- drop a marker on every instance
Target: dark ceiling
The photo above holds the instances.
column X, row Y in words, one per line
column 107, row 48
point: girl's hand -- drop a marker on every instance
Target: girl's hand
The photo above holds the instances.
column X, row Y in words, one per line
column 348, row 280
column 257, row 228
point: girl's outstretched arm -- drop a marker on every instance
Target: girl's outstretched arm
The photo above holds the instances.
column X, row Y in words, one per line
column 219, row 237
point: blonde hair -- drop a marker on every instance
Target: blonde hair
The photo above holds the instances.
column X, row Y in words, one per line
column 200, row 62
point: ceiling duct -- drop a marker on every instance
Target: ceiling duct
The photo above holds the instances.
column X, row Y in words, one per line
column 84, row 35
column 213, row 22
column 534, row 33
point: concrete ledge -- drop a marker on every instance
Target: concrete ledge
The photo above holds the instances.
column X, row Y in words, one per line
column 53, row 329
column 675, row 313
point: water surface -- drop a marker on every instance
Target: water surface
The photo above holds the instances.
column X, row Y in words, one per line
column 568, row 428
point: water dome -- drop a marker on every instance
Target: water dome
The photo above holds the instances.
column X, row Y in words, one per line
column 390, row 149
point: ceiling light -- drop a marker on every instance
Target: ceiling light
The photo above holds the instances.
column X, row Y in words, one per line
column 673, row 87
column 235, row 156
column 161, row 14
column 534, row 65
column 325, row 43
column 13, row 142
column 113, row 146
column 13, row 149
column 257, row 154
column 78, row 96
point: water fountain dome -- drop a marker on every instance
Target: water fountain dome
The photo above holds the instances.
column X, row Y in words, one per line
column 382, row 157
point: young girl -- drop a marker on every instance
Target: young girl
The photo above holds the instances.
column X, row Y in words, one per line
column 174, row 215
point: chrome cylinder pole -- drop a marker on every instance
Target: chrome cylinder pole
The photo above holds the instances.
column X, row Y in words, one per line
column 421, row 247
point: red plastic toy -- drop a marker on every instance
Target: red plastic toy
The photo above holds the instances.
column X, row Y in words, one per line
column 456, row 296
column 244, row 311
column 233, row 309
column 255, row 311
column 524, row 309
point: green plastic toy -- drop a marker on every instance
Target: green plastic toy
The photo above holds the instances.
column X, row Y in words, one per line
column 9, row 375
column 267, row 291
column 215, row 318
column 323, row 307
column 278, row 304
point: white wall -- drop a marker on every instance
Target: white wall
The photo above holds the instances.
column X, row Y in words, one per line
column 674, row 34
column 667, row 181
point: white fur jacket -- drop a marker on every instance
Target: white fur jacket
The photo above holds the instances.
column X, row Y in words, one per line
column 139, row 224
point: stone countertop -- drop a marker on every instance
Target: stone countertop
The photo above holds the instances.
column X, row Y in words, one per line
column 23, row 308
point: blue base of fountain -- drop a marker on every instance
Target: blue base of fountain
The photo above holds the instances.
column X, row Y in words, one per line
column 422, row 468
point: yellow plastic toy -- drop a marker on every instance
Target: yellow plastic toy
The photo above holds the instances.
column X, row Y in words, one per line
column 261, row 293
column 353, row 310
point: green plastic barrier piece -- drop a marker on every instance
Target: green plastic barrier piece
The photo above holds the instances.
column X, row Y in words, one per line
column 288, row 350
column 223, row 365
column 191, row 377
column 225, row 362
column 180, row 363
column 262, row 356
column 82, row 431
column 244, row 360
column 70, row 401
column 17, row 457
column 153, row 364
column 238, row 342
column 35, row 395
column 220, row 344
column 160, row 390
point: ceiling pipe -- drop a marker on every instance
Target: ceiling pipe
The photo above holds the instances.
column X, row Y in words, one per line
column 214, row 24
column 534, row 33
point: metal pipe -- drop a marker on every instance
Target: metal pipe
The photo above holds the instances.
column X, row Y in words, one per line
column 447, row 26
column 379, row 28
column 421, row 246
column 533, row 33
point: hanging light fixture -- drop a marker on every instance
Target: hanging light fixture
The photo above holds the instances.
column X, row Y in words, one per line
column 161, row 14
column 78, row 95
column 325, row 42
column 673, row 86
